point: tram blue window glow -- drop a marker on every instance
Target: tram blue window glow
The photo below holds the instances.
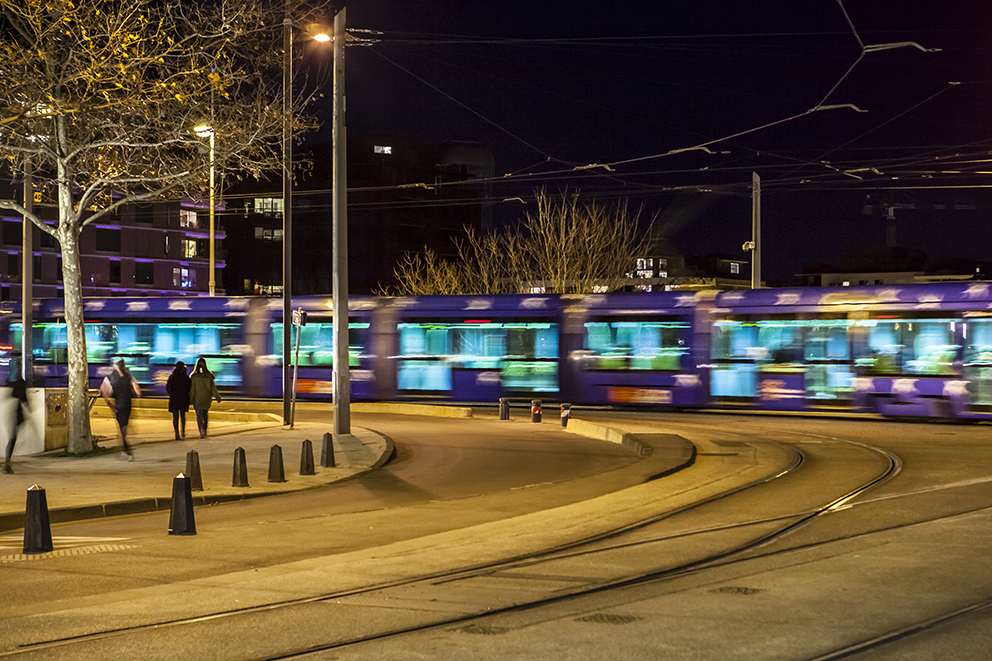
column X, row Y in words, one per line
column 816, row 349
column 911, row 346
column 317, row 343
column 734, row 381
column 636, row 345
column 978, row 361
column 526, row 353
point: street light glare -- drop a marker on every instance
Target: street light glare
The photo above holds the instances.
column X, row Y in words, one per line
column 203, row 130
column 322, row 36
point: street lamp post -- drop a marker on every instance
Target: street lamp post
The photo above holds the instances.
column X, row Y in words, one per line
column 27, row 280
column 205, row 131
column 287, row 206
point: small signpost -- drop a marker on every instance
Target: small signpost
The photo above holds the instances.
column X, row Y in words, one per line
column 299, row 320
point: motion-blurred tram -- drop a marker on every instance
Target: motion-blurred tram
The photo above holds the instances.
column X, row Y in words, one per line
column 899, row 350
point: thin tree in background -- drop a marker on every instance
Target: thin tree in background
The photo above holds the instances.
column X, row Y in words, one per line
column 566, row 246
column 103, row 97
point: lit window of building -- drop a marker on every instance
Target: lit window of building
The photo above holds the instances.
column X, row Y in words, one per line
column 268, row 205
column 381, row 149
column 735, row 268
column 187, row 218
column 183, row 277
column 189, row 248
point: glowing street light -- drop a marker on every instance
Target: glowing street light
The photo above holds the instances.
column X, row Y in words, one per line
column 317, row 33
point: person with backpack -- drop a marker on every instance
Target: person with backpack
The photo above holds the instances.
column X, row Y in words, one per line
column 122, row 388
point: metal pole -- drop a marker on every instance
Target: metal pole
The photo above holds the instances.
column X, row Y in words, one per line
column 212, row 281
column 296, row 371
column 27, row 279
column 755, row 231
column 287, row 209
column 341, row 383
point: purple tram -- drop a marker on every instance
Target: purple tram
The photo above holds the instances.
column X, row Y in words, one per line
column 919, row 350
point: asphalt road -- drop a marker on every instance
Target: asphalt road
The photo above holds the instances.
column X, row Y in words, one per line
column 901, row 571
column 909, row 550
column 447, row 474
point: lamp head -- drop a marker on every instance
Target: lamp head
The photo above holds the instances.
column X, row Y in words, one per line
column 204, row 130
column 318, row 32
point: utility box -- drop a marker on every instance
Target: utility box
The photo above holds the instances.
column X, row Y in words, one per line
column 56, row 418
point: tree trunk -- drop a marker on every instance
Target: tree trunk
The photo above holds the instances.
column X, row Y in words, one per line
column 80, row 437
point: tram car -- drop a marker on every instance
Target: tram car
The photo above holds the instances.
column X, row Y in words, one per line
column 916, row 350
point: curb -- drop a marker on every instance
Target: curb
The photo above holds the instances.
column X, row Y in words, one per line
column 15, row 520
column 163, row 414
column 413, row 409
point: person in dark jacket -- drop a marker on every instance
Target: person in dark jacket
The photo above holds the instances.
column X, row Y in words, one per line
column 121, row 387
column 19, row 391
column 203, row 390
column 177, row 387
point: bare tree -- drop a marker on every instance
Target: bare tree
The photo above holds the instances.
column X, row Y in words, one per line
column 103, row 97
column 566, row 246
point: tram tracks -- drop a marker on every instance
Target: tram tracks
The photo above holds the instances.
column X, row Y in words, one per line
column 568, row 585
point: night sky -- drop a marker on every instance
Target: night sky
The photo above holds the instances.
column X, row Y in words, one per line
column 552, row 85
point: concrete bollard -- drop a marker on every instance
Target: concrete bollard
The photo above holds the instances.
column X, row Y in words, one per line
column 504, row 408
column 37, row 529
column 240, row 469
column 276, row 471
column 181, row 515
column 327, row 452
column 306, row 459
column 535, row 410
column 566, row 413
column 193, row 471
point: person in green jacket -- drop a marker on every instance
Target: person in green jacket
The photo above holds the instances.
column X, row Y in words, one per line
column 202, row 392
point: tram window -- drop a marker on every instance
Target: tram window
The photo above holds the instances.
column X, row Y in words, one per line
column 317, row 344
column 525, row 353
column 814, row 350
column 636, row 345
column 910, row 346
column 978, row 359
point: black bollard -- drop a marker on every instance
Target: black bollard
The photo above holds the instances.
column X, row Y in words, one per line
column 240, row 469
column 504, row 408
column 566, row 413
column 327, row 452
column 181, row 515
column 37, row 529
column 193, row 471
column 306, row 459
column 276, row 471
column 535, row 410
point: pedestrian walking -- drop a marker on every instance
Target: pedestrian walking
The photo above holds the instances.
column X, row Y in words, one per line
column 19, row 391
column 122, row 388
column 203, row 390
column 177, row 387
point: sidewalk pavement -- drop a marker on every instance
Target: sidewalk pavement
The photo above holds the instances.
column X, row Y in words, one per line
column 109, row 485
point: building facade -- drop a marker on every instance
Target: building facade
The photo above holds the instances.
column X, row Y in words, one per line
column 147, row 249
column 403, row 198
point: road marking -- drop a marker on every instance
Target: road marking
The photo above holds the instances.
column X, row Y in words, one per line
column 63, row 545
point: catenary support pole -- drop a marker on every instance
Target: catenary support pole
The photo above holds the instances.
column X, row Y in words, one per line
column 287, row 206
column 756, row 231
column 342, row 384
